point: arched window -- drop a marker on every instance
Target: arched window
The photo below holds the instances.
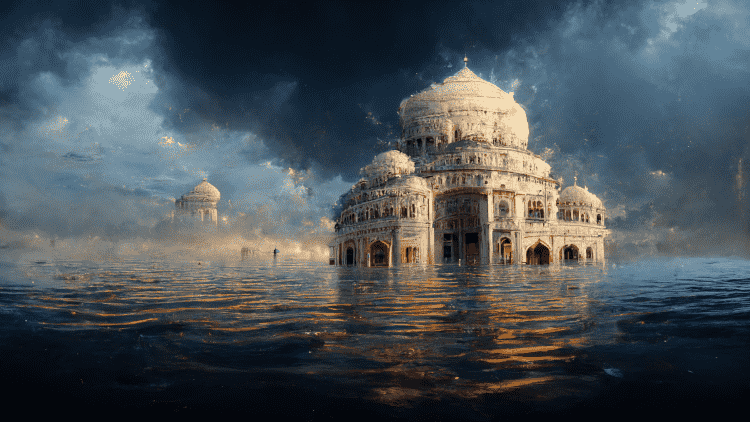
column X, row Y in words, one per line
column 501, row 209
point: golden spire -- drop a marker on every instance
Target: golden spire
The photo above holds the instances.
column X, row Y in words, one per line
column 466, row 61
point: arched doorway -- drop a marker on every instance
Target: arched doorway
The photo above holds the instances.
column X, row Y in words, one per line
column 504, row 251
column 589, row 253
column 349, row 256
column 569, row 252
column 379, row 254
column 538, row 255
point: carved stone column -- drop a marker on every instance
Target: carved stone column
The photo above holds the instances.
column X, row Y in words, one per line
column 397, row 247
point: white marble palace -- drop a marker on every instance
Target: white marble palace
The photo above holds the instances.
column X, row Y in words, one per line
column 462, row 185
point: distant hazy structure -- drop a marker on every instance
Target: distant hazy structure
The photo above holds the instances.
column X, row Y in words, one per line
column 246, row 252
column 463, row 186
column 199, row 205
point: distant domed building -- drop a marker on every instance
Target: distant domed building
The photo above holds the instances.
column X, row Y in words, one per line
column 463, row 186
column 198, row 205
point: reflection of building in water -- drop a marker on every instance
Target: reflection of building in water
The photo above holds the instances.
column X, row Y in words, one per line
column 462, row 185
column 199, row 205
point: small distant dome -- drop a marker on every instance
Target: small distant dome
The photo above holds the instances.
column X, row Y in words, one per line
column 204, row 190
column 578, row 194
column 389, row 163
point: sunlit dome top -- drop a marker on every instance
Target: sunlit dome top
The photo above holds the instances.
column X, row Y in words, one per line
column 579, row 195
column 466, row 92
column 389, row 163
column 204, row 191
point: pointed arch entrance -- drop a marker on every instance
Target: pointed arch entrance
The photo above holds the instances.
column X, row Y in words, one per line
column 538, row 255
column 569, row 252
column 379, row 253
column 504, row 251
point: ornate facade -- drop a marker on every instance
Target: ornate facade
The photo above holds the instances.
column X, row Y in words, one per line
column 463, row 187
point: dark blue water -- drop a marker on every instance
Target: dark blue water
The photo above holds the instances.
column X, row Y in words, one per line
column 285, row 337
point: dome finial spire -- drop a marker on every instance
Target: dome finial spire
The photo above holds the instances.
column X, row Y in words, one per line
column 575, row 180
column 466, row 61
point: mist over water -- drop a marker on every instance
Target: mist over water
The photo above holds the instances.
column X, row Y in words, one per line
column 542, row 337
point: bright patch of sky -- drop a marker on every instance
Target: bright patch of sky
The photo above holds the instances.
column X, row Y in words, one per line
column 99, row 143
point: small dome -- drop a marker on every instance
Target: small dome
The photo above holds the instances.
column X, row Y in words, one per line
column 578, row 194
column 204, row 190
column 390, row 162
column 412, row 182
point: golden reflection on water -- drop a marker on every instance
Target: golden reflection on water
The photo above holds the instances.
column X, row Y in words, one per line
column 409, row 332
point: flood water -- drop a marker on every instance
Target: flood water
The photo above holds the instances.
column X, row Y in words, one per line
column 312, row 341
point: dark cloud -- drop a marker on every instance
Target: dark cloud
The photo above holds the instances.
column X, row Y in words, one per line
column 296, row 72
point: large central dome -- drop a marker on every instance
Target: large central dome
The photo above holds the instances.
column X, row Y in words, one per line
column 465, row 106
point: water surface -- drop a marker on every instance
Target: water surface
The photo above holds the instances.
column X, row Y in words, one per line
column 447, row 341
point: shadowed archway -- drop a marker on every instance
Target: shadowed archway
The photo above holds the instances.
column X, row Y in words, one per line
column 349, row 256
column 504, row 251
column 379, row 254
column 569, row 252
column 537, row 255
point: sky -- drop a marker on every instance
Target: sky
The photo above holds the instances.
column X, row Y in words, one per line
column 110, row 110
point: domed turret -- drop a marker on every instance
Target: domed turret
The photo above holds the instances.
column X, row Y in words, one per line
column 465, row 106
column 389, row 163
column 580, row 195
column 575, row 194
